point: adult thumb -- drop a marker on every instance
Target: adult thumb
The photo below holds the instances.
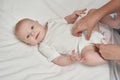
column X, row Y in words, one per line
column 88, row 35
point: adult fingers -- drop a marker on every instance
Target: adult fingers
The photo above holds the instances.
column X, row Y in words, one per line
column 76, row 30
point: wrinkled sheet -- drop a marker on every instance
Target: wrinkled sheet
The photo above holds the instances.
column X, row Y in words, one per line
column 22, row 62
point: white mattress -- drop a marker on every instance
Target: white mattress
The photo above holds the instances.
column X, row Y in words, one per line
column 21, row 62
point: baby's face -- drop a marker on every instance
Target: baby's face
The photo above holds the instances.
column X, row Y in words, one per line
column 30, row 32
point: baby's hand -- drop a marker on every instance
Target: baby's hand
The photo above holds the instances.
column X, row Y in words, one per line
column 74, row 57
column 72, row 17
column 79, row 12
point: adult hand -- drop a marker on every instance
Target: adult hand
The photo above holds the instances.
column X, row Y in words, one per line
column 87, row 23
column 109, row 51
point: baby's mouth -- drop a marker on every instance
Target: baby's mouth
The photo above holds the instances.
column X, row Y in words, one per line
column 37, row 35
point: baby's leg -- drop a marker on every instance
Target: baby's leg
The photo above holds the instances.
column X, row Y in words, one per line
column 90, row 57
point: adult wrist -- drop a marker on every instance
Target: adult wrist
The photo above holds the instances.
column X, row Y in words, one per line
column 97, row 15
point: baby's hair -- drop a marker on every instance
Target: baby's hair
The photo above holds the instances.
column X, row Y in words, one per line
column 18, row 26
column 19, row 23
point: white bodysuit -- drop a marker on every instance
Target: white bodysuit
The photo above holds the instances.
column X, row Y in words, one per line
column 59, row 39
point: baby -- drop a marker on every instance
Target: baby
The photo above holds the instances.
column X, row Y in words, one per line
column 56, row 42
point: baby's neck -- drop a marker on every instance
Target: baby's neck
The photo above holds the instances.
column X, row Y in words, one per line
column 46, row 29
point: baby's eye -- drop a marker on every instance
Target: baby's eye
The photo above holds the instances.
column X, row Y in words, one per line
column 32, row 27
column 28, row 36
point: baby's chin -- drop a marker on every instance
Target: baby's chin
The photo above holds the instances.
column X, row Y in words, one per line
column 32, row 44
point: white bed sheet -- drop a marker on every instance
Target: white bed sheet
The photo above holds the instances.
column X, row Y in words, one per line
column 21, row 62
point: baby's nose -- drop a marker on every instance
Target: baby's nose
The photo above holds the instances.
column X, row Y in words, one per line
column 32, row 33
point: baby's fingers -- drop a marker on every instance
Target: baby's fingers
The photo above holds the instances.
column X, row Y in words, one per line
column 74, row 56
column 83, row 10
column 79, row 12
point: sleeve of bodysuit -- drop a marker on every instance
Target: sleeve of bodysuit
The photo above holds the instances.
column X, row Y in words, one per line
column 57, row 20
column 49, row 52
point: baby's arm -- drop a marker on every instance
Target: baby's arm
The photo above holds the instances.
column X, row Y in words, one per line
column 73, row 17
column 66, row 60
column 52, row 55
